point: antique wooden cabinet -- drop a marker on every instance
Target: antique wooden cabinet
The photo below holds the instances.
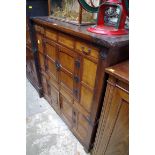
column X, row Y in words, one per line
column 72, row 69
column 113, row 132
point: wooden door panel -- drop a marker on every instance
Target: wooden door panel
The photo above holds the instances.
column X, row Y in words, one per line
column 51, row 69
column 86, row 98
column 81, row 127
column 51, row 51
column 66, row 81
column 119, row 112
column 66, row 109
column 66, row 61
column 54, row 97
column 89, row 72
column 114, row 124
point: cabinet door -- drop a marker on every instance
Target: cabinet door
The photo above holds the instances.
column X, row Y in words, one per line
column 81, row 126
column 113, row 131
column 66, row 110
column 53, row 96
column 66, row 75
column 88, row 78
column 51, row 53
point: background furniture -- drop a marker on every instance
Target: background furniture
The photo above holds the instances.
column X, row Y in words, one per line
column 72, row 69
column 113, row 132
column 33, row 8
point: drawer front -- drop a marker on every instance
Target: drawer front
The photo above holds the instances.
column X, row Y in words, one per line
column 66, row 40
column 66, row 109
column 39, row 29
column 87, row 49
column 51, row 34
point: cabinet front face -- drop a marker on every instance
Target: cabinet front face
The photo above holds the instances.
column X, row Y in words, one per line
column 88, row 77
column 114, row 124
column 51, row 59
column 66, row 109
column 119, row 140
column 66, row 61
column 53, row 95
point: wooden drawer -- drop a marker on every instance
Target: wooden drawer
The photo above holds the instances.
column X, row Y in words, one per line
column 87, row 50
column 51, row 34
column 66, row 40
column 39, row 29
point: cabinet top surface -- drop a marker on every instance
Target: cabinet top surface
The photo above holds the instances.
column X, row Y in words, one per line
column 120, row 71
column 81, row 31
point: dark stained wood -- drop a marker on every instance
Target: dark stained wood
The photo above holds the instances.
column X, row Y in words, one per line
column 31, row 70
column 120, row 71
column 80, row 31
column 113, row 131
column 75, row 62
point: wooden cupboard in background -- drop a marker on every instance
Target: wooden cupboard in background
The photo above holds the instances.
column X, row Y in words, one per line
column 113, row 132
column 72, row 65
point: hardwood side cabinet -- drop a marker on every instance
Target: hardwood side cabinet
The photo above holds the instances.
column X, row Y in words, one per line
column 72, row 69
column 113, row 132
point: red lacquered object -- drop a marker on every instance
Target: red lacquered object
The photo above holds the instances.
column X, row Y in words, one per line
column 111, row 19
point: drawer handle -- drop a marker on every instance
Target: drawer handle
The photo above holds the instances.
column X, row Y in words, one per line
column 85, row 52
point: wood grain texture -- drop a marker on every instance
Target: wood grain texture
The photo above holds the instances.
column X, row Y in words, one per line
column 77, row 75
column 113, row 131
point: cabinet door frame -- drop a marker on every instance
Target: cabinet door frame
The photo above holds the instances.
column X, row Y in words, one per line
column 50, row 59
column 65, row 70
